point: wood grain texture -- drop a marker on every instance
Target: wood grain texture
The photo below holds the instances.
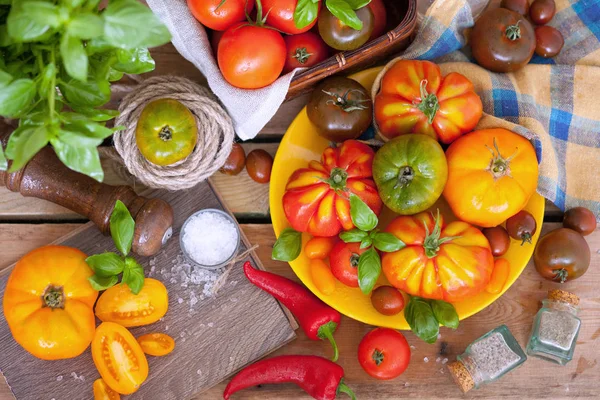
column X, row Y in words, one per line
column 215, row 337
column 536, row 379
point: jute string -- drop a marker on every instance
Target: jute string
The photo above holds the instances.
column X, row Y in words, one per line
column 220, row 282
column 215, row 133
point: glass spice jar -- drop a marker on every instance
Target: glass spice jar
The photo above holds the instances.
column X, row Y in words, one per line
column 487, row 359
column 555, row 328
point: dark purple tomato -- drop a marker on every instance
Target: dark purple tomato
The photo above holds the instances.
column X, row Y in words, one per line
column 341, row 36
column 562, row 255
column 518, row 6
column 580, row 219
column 542, row 11
column 548, row 41
column 258, row 165
column 387, row 300
column 521, row 226
column 236, row 161
column 498, row 238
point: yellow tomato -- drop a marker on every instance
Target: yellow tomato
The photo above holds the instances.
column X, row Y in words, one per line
column 319, row 247
column 499, row 276
column 156, row 344
column 103, row 392
column 322, row 276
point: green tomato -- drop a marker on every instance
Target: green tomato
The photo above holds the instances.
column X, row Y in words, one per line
column 410, row 172
column 166, row 132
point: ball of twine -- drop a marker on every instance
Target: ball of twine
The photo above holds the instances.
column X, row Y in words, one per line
column 215, row 133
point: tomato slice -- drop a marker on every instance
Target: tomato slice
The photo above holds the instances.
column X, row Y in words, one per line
column 119, row 358
column 118, row 304
column 156, row 344
column 103, row 392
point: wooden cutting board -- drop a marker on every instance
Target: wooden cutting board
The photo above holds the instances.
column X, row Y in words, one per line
column 215, row 337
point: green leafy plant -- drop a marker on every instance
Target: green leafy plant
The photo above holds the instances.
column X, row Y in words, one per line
column 57, row 59
column 288, row 246
column 425, row 316
column 108, row 266
column 307, row 11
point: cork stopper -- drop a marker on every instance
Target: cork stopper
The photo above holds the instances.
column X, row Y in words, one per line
column 564, row 296
column 461, row 376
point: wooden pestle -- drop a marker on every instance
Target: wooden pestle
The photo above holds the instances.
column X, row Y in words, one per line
column 46, row 177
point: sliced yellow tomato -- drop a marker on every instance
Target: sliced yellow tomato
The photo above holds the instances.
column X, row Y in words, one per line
column 156, row 344
column 118, row 304
column 103, row 392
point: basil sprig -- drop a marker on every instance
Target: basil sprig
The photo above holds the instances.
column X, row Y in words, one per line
column 424, row 317
column 288, row 246
column 108, row 266
column 307, row 11
column 369, row 263
column 58, row 59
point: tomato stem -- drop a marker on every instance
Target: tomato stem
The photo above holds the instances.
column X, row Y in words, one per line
column 526, row 237
column 302, row 55
column 429, row 104
column 53, row 297
column 345, row 103
column 337, row 179
column 354, row 259
column 405, row 177
column 513, row 32
column 432, row 241
column 561, row 275
column 377, row 357
column 165, row 133
column 221, row 4
column 499, row 165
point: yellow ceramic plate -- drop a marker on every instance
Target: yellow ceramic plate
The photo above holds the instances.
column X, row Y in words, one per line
column 301, row 144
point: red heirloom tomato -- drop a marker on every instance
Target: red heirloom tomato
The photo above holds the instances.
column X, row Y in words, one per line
column 415, row 98
column 343, row 260
column 281, row 16
column 220, row 14
column 304, row 50
column 317, row 198
column 384, row 353
column 448, row 263
column 380, row 15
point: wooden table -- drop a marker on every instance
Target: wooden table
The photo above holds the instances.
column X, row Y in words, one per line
column 30, row 223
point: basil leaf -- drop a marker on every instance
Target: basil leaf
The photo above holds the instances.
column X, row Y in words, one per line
column 366, row 242
column 103, row 283
column 86, row 26
column 45, row 85
column 74, row 155
column 356, row 4
column 101, row 64
column 5, row 39
column 77, row 139
column 353, row 236
column 133, row 275
column 420, row 318
column 92, row 93
column 16, row 97
column 305, row 13
column 106, row 264
column 5, row 78
column 96, row 114
column 129, row 24
column 98, row 45
column 288, row 245
column 89, row 128
column 29, row 20
column 369, row 269
column 74, row 57
column 114, row 75
column 134, row 61
column 445, row 313
column 122, row 227
column 362, row 216
column 72, row 3
column 24, row 143
column 387, row 242
column 344, row 12
column 3, row 161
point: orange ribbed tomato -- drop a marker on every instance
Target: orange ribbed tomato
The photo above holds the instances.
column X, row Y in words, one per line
column 492, row 174
column 448, row 263
column 48, row 303
column 415, row 98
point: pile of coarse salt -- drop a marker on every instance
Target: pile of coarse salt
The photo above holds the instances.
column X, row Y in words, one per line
column 209, row 238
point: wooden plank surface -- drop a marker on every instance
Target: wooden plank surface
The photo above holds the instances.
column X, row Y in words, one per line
column 535, row 379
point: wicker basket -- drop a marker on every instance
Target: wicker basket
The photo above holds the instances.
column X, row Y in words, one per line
column 400, row 13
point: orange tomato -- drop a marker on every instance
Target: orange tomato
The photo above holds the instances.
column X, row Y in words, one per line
column 119, row 358
column 448, row 263
column 156, row 344
column 103, row 392
column 118, row 304
column 319, row 247
column 322, row 276
column 492, row 174
column 48, row 303
column 499, row 276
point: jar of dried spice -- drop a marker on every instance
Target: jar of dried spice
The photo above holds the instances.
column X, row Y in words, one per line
column 555, row 328
column 487, row 359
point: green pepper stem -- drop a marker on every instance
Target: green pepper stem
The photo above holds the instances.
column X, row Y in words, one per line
column 326, row 332
column 343, row 388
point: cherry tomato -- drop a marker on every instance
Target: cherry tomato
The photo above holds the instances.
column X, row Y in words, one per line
column 498, row 238
column 549, row 41
column 258, row 165
column 322, row 276
column 580, row 219
column 246, row 65
column 380, row 16
column 156, row 344
column 502, row 40
column 304, row 50
column 521, row 226
column 562, row 255
column 220, row 14
column 344, row 262
column 384, row 353
column 499, row 276
column 542, row 11
column 518, row 6
column 341, row 36
column 340, row 108
column 103, row 392
column 236, row 160
column 387, row 300
column 281, row 16
column 319, row 247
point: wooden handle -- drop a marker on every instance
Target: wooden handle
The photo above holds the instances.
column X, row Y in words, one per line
column 46, row 177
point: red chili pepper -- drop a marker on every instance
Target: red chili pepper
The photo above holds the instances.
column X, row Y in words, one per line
column 317, row 376
column 317, row 319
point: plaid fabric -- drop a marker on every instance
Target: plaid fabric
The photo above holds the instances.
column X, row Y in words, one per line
column 552, row 102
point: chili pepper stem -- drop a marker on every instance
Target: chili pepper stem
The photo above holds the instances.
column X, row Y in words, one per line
column 326, row 332
column 343, row 388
